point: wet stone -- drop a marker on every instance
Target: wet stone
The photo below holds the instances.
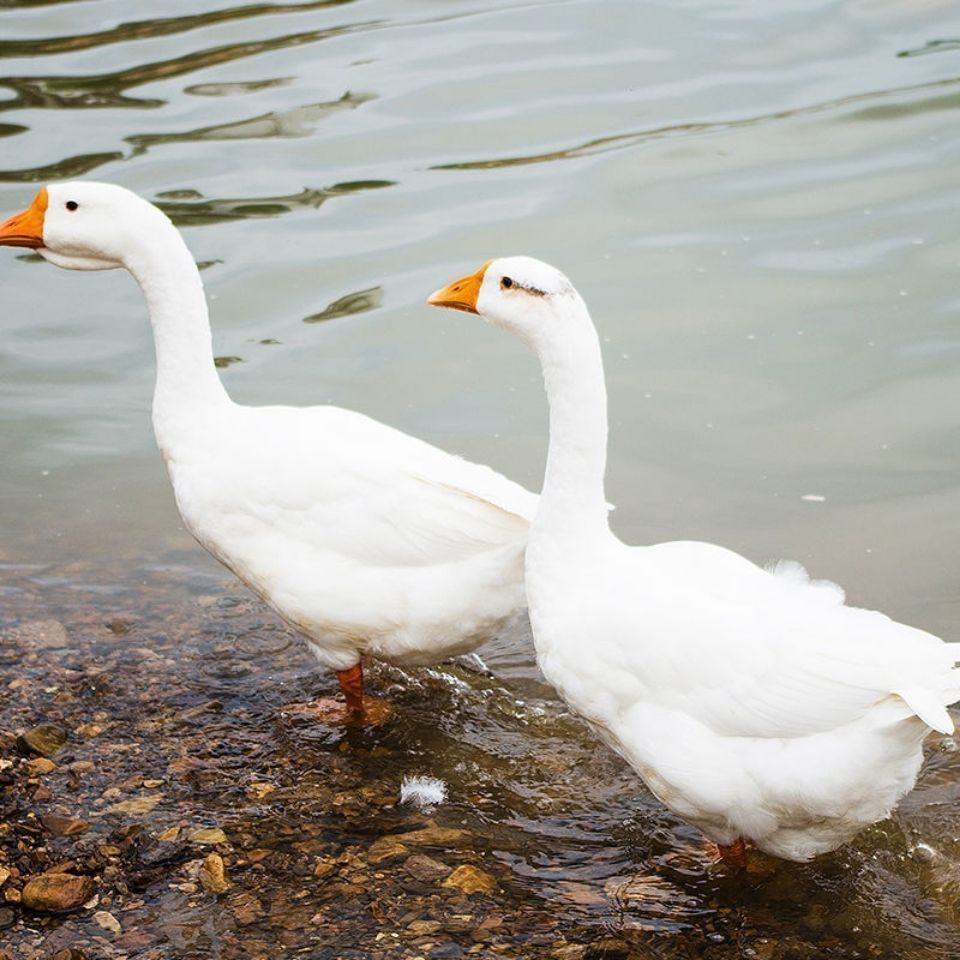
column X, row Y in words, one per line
column 470, row 879
column 137, row 805
column 63, row 826
column 40, row 635
column 398, row 844
column 57, row 892
column 609, row 948
column 246, row 908
column 208, row 836
column 422, row 867
column 45, row 739
column 213, row 875
column 87, row 731
column 38, row 767
column 106, row 920
column 447, row 951
column 7, row 917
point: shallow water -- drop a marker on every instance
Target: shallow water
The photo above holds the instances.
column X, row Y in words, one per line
column 758, row 201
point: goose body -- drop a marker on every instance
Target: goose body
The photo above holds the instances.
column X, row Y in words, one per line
column 371, row 542
column 753, row 702
column 366, row 540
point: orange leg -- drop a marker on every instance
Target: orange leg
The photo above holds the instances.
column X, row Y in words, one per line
column 351, row 683
column 734, row 854
column 354, row 709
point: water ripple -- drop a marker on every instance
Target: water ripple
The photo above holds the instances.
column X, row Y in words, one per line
column 148, row 29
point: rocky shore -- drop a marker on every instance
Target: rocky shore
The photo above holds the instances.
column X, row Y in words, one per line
column 158, row 802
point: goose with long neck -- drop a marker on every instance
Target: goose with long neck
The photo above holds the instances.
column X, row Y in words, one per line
column 754, row 703
column 366, row 540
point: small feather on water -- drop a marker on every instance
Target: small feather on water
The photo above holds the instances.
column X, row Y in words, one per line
column 424, row 793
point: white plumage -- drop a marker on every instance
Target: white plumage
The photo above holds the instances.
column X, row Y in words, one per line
column 753, row 702
column 365, row 539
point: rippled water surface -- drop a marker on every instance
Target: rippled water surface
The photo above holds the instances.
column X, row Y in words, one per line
column 759, row 201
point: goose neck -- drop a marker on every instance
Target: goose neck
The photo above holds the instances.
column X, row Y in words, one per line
column 573, row 503
column 187, row 379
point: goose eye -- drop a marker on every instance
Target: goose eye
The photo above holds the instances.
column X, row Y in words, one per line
column 72, row 205
column 506, row 283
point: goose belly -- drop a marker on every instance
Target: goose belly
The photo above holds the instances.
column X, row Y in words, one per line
column 345, row 607
column 792, row 798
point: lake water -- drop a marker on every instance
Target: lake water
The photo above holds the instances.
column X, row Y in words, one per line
column 757, row 200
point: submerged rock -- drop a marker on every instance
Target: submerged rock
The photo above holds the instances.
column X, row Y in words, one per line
column 63, row 826
column 422, row 867
column 57, row 892
column 39, row 766
column 208, row 836
column 40, row 634
column 471, row 879
column 213, row 874
column 45, row 739
column 107, row 921
column 138, row 805
column 246, row 908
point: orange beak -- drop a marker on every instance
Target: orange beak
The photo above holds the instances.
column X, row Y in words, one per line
column 461, row 294
column 26, row 229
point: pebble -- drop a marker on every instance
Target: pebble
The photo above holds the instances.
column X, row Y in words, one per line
column 446, row 951
column 471, row 879
column 38, row 767
column 87, row 731
column 213, row 874
column 422, row 867
column 7, row 917
column 45, row 739
column 57, row 892
column 108, row 921
column 396, row 844
column 246, row 908
column 138, row 805
column 40, row 634
column 257, row 791
column 208, row 836
column 63, row 826
column 4, row 875
column 81, row 766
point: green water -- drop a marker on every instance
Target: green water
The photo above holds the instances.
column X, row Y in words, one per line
column 757, row 200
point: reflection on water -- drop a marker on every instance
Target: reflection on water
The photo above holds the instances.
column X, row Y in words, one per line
column 756, row 202
column 196, row 213
column 298, row 122
column 145, row 29
column 358, row 302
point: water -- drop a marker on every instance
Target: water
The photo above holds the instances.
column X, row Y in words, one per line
column 758, row 203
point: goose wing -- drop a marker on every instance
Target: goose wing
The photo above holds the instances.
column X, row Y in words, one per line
column 757, row 653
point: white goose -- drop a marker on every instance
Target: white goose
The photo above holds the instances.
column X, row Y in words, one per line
column 364, row 539
column 754, row 704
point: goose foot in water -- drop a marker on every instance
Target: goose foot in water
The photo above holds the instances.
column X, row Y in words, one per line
column 733, row 854
column 354, row 709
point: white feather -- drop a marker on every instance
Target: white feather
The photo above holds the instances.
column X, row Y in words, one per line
column 425, row 793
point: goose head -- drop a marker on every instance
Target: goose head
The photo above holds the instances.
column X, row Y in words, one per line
column 523, row 295
column 84, row 225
